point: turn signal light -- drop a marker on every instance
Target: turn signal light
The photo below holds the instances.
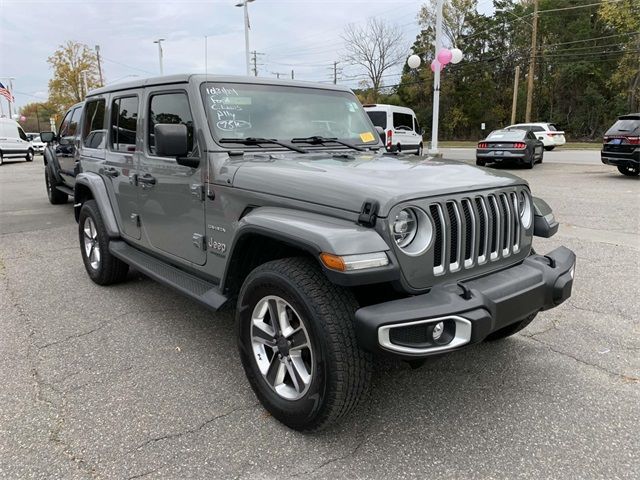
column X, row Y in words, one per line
column 347, row 263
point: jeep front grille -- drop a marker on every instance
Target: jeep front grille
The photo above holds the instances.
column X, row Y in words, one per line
column 475, row 230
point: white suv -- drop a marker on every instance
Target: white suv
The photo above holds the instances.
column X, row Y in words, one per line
column 402, row 132
column 547, row 132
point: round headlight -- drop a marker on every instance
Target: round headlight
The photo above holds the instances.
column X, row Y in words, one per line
column 404, row 227
column 412, row 231
column 525, row 208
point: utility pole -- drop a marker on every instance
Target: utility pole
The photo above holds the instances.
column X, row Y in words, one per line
column 84, row 82
column 335, row 73
column 11, row 105
column 514, row 105
column 532, row 62
column 245, row 4
column 159, row 42
column 99, row 65
column 254, row 60
column 292, row 76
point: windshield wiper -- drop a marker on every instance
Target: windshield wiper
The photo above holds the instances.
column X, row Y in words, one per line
column 257, row 141
column 318, row 140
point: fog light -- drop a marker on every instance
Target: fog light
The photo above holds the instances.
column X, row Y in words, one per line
column 438, row 329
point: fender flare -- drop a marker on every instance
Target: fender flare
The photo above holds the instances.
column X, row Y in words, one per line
column 315, row 233
column 51, row 162
column 544, row 223
column 98, row 190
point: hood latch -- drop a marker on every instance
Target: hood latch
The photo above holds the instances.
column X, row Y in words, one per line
column 368, row 213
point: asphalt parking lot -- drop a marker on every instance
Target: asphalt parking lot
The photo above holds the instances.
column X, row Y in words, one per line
column 135, row 381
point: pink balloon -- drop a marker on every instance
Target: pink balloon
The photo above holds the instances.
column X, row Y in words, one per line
column 23, row 118
column 445, row 56
column 433, row 65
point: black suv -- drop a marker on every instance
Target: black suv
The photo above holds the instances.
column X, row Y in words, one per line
column 622, row 145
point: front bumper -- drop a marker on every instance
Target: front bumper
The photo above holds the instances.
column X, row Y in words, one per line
column 470, row 310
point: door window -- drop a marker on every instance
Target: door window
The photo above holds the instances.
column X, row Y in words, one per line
column 93, row 132
column 69, row 131
column 64, row 125
column 21, row 134
column 124, row 119
column 169, row 108
column 416, row 125
column 402, row 121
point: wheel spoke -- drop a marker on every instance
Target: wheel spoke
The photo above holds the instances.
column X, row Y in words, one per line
column 273, row 314
column 294, row 372
column 87, row 230
column 275, row 372
column 261, row 334
column 283, row 319
column 298, row 339
column 96, row 253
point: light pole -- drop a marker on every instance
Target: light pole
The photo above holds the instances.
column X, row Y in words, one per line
column 84, row 82
column 245, row 4
column 159, row 42
column 436, row 80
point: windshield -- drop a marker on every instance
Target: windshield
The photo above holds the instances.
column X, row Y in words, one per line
column 241, row 111
column 507, row 135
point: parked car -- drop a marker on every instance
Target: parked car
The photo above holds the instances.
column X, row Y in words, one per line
column 38, row 145
column 547, row 132
column 508, row 145
column 331, row 250
column 621, row 145
column 402, row 132
column 61, row 165
column 14, row 142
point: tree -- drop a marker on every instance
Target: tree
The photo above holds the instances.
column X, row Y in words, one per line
column 455, row 15
column 376, row 46
column 69, row 62
column 37, row 115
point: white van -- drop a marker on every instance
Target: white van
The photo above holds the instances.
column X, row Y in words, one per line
column 402, row 132
column 13, row 141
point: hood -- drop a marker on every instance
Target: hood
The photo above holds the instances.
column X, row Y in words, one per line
column 346, row 181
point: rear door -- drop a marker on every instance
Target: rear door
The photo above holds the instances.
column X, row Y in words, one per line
column 403, row 133
column 172, row 210
column 123, row 157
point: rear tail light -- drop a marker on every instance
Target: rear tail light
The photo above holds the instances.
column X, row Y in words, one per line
column 483, row 145
column 520, row 145
column 634, row 140
column 606, row 139
column 389, row 138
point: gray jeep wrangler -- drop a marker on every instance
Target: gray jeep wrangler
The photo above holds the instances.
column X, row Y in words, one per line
column 277, row 198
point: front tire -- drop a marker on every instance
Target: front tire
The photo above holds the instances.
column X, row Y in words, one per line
column 420, row 150
column 102, row 267
column 628, row 171
column 298, row 345
column 1, row 159
column 29, row 156
column 56, row 197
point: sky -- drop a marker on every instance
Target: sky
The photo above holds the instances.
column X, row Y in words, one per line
column 303, row 35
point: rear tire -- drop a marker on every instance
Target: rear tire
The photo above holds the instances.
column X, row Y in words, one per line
column 333, row 372
column 480, row 163
column 529, row 164
column 510, row 330
column 102, row 267
column 56, row 197
column 398, row 148
column 549, row 148
column 629, row 171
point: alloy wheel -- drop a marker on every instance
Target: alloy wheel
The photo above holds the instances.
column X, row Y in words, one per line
column 281, row 347
column 91, row 243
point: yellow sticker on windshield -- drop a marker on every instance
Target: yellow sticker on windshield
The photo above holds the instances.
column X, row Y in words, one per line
column 367, row 137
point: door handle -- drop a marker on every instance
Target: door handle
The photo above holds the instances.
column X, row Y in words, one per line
column 147, row 181
column 110, row 172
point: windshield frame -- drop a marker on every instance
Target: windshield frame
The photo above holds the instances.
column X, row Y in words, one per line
column 347, row 94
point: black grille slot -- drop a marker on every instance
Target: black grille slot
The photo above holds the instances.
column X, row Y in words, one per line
column 505, row 221
column 470, row 233
column 437, row 247
column 453, row 241
column 482, row 225
column 409, row 336
column 494, row 225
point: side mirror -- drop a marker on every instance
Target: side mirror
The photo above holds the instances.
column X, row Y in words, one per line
column 544, row 222
column 381, row 133
column 171, row 140
column 47, row 137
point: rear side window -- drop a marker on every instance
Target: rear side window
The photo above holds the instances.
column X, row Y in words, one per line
column 379, row 119
column 93, row 131
column 169, row 108
column 552, row 127
column 402, row 121
column 124, row 120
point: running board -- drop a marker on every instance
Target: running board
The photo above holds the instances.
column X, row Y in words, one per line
column 65, row 189
column 200, row 290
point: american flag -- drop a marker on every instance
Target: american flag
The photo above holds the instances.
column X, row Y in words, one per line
column 5, row 93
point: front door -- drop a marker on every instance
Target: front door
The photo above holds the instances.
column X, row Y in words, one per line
column 66, row 149
column 171, row 198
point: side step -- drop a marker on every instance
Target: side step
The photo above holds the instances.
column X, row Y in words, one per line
column 65, row 189
column 200, row 290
